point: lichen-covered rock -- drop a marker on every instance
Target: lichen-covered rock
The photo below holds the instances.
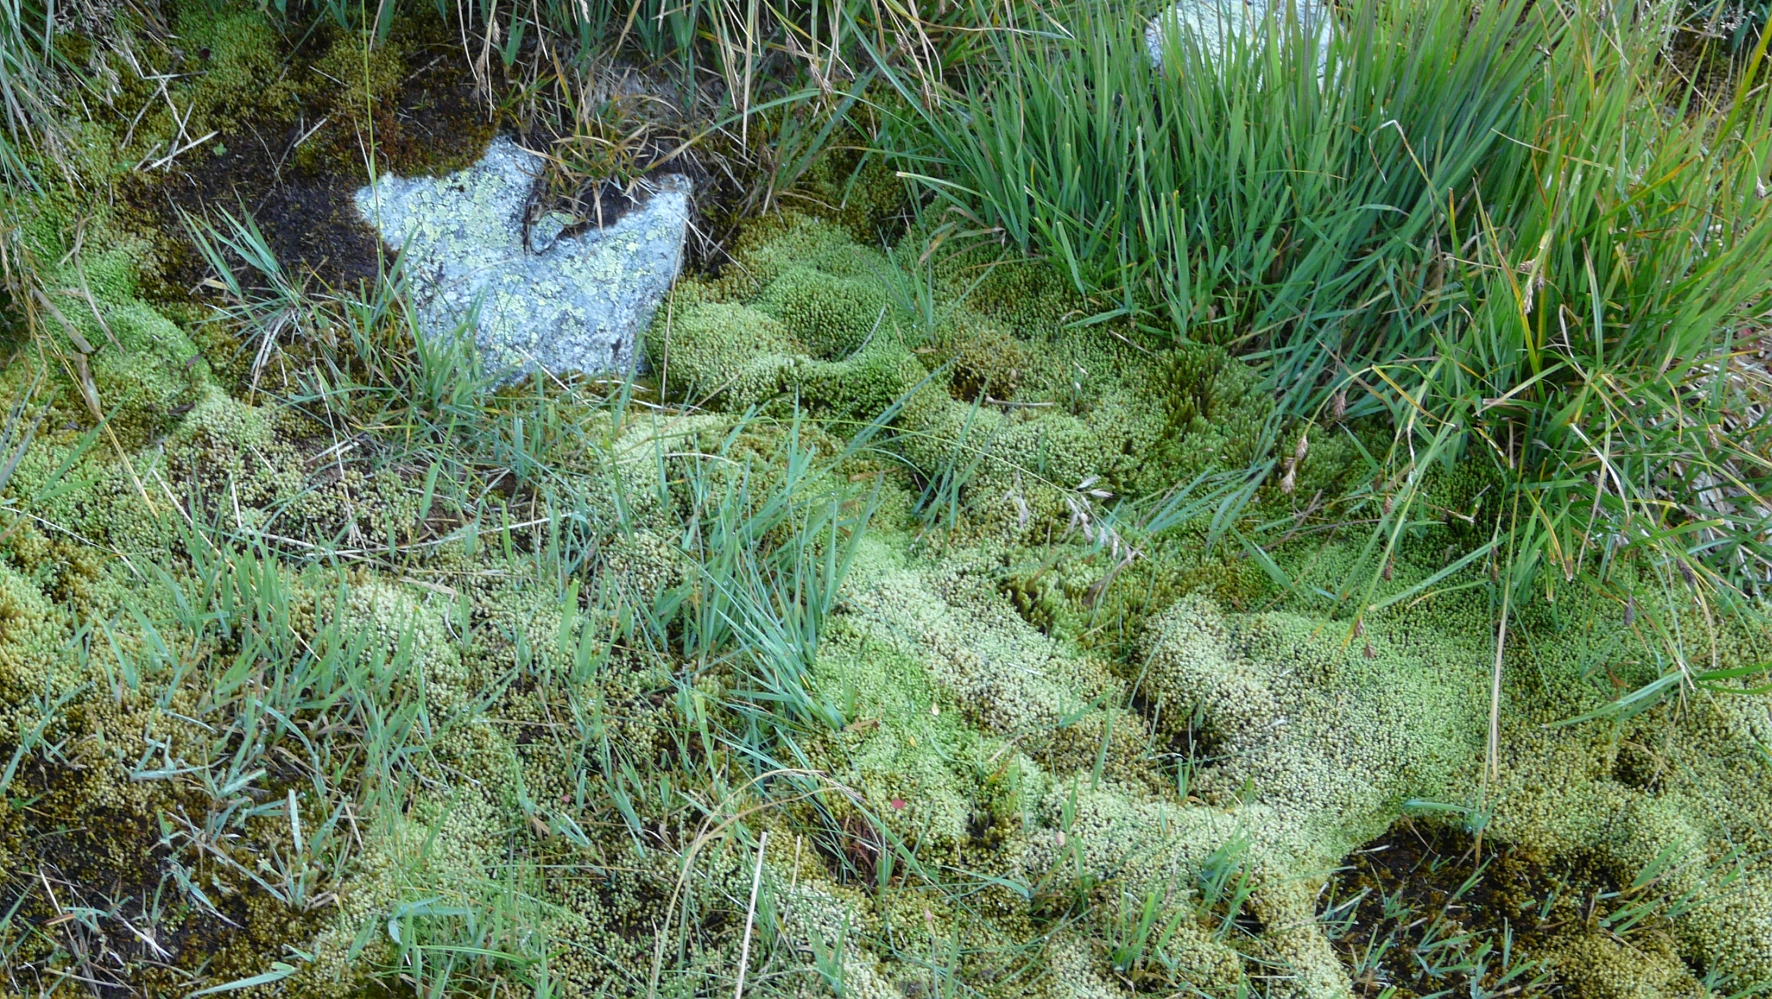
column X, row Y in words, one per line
column 555, row 298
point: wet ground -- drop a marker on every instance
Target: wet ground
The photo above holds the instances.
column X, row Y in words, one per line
column 296, row 178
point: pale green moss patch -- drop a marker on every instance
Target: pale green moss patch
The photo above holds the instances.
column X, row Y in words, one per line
column 517, row 683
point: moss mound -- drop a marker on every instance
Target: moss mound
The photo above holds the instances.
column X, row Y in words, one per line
column 397, row 681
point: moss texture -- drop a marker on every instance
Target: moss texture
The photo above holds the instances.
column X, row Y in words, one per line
column 487, row 727
column 1315, row 735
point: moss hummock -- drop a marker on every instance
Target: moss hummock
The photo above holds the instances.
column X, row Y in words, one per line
column 400, row 679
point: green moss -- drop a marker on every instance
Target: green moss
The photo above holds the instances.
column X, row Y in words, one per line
column 31, row 637
column 1312, row 746
column 855, row 189
column 829, row 313
column 716, row 348
column 907, row 760
column 777, row 244
column 238, row 75
column 110, row 350
column 855, row 392
column 1601, row 967
column 985, row 362
column 1001, row 410
column 521, row 756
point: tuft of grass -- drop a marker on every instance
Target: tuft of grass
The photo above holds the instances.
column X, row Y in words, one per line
column 770, row 543
column 1515, row 235
column 27, row 59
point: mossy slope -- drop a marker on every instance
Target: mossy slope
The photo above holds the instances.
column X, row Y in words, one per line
column 338, row 718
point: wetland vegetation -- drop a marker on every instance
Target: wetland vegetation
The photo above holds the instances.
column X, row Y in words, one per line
column 1259, row 524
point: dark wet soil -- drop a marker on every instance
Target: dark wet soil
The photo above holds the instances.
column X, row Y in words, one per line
column 595, row 205
column 297, row 178
column 1426, row 910
column 310, row 222
column 1412, row 912
column 105, row 894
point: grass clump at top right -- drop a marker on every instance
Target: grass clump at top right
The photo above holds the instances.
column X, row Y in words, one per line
column 1516, row 234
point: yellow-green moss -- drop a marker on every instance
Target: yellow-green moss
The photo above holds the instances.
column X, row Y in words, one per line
column 1015, row 699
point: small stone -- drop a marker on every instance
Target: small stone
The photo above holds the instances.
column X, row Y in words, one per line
column 547, row 229
column 560, row 301
column 1212, row 23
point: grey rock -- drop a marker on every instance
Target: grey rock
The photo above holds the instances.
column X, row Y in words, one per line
column 557, row 301
column 545, row 230
column 1214, row 22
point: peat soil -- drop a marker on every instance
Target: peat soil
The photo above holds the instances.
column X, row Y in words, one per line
column 296, row 179
column 1427, row 907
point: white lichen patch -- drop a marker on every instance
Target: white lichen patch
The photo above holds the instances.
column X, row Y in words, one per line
column 564, row 302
